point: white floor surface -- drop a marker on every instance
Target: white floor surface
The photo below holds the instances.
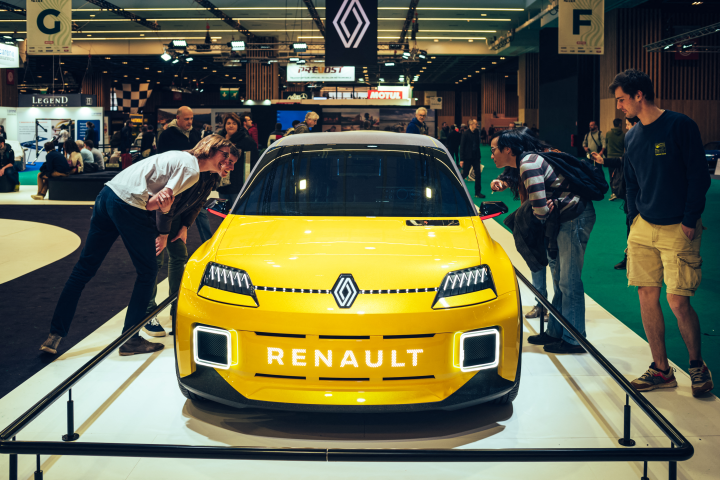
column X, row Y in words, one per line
column 564, row 401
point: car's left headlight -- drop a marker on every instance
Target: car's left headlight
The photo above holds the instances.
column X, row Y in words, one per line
column 227, row 278
column 466, row 281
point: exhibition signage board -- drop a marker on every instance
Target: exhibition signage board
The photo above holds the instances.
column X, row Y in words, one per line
column 308, row 73
column 581, row 27
column 9, row 57
column 351, row 33
column 49, row 26
column 69, row 100
column 385, row 95
column 229, row 93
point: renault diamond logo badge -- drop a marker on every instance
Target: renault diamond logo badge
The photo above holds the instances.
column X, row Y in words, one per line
column 345, row 291
column 348, row 7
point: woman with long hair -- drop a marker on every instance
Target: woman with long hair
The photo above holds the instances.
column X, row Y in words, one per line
column 526, row 170
column 234, row 132
column 73, row 156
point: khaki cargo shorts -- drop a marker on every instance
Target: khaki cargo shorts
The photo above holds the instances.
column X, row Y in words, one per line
column 663, row 252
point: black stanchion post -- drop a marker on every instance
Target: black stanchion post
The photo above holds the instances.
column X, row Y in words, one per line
column 672, row 471
column 71, row 435
column 626, row 441
column 38, row 472
column 644, row 477
column 542, row 319
column 13, row 465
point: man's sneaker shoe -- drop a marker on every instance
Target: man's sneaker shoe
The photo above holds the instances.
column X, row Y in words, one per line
column 535, row 312
column 51, row 344
column 622, row 265
column 701, row 380
column 38, row 197
column 138, row 345
column 542, row 339
column 612, row 197
column 154, row 329
column 479, row 195
column 654, row 378
column 563, row 347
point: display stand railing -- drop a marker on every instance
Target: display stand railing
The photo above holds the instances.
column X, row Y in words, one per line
column 679, row 450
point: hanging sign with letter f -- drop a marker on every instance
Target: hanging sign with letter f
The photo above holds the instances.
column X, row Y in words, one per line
column 581, row 27
column 351, row 33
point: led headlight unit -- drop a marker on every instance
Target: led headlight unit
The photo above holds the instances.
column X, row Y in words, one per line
column 229, row 279
column 468, row 280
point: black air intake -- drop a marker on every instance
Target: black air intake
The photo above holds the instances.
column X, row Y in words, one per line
column 212, row 347
column 479, row 350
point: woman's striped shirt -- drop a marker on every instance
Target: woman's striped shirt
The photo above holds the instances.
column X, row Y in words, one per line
column 542, row 183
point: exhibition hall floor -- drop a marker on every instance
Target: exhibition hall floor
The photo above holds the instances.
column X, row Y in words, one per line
column 564, row 401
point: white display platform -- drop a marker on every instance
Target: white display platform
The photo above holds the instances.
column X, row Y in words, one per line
column 564, row 401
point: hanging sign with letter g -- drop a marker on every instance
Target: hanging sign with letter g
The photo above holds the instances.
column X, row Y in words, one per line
column 49, row 27
column 581, row 27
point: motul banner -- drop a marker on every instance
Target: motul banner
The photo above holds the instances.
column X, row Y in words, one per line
column 385, row 95
column 351, row 33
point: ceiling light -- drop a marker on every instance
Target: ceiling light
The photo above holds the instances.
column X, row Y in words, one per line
column 175, row 60
column 470, row 40
column 188, row 59
column 668, row 47
column 301, row 62
column 406, row 54
column 389, row 64
column 381, row 79
column 293, row 59
column 236, row 45
column 502, row 58
column 436, row 40
column 178, row 44
column 300, row 47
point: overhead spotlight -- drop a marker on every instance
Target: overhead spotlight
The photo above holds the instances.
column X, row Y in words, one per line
column 175, row 60
column 381, row 79
column 301, row 62
column 178, row 44
column 166, row 56
column 406, row 54
column 293, row 59
column 7, row 36
column 421, row 56
column 361, row 80
column 236, row 45
column 668, row 47
column 188, row 59
column 300, row 47
column 396, row 46
column 389, row 64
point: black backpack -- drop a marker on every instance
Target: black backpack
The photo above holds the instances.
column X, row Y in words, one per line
column 585, row 181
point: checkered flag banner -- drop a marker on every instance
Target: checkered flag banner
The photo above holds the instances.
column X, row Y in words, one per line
column 132, row 97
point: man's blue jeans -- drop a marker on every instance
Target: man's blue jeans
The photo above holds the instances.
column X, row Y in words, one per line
column 566, row 269
column 540, row 283
column 112, row 218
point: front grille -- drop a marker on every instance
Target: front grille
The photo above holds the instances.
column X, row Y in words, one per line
column 290, row 377
column 344, row 337
column 420, row 377
column 344, row 379
column 479, row 349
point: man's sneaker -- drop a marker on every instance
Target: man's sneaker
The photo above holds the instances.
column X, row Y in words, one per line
column 612, row 197
column 38, row 197
column 622, row 265
column 563, row 347
column 535, row 312
column 653, row 379
column 154, row 329
column 542, row 339
column 51, row 344
column 701, row 380
column 138, row 345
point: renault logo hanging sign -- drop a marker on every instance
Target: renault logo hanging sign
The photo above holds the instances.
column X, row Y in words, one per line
column 351, row 33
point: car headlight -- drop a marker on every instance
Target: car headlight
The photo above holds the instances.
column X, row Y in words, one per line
column 229, row 279
column 462, row 282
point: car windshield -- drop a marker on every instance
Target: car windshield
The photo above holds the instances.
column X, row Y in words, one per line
column 713, row 146
column 341, row 181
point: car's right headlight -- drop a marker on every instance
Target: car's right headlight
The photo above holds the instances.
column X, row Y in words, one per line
column 465, row 282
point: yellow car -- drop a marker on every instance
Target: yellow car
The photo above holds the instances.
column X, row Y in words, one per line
column 353, row 273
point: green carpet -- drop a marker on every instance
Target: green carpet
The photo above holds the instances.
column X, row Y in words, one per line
column 609, row 287
column 28, row 178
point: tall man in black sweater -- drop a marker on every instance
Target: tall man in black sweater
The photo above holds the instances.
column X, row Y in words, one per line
column 667, row 179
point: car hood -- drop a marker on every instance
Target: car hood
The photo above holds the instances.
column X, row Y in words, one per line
column 380, row 253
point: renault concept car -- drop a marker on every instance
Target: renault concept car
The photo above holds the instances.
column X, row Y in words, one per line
column 353, row 273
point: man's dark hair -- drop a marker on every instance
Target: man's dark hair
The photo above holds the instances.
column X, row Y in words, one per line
column 632, row 81
column 616, row 122
column 89, row 144
column 295, row 123
column 278, row 126
column 246, row 117
column 49, row 146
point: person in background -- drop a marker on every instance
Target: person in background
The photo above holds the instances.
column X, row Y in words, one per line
column 207, row 130
column 442, row 134
column 179, row 134
column 126, row 137
column 454, row 138
column 175, row 224
column 115, row 141
column 91, row 134
column 124, row 209
column 615, row 141
column 548, row 191
column 483, row 136
column 594, row 140
column 2, row 132
column 311, row 119
column 147, row 143
column 87, row 156
column 241, row 139
column 126, row 159
column 73, row 157
column 62, row 136
column 97, row 155
column 417, row 124
column 7, row 164
column 667, row 180
column 253, row 131
column 275, row 134
column 470, row 156
column 291, row 130
column 55, row 166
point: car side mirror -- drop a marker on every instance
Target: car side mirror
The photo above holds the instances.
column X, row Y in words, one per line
column 492, row 209
column 218, row 206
